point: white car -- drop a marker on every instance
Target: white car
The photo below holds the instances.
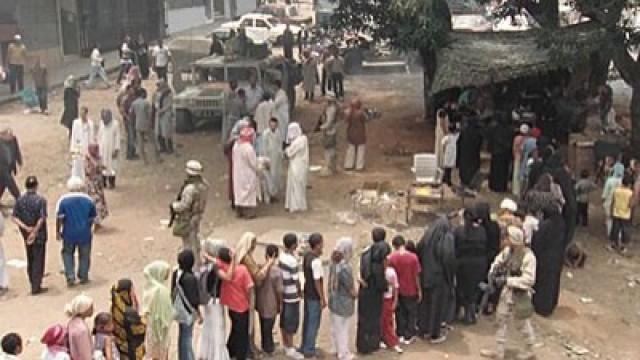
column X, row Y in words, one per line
column 261, row 28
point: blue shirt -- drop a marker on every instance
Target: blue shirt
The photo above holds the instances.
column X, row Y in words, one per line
column 77, row 211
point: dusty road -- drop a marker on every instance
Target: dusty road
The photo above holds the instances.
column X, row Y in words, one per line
column 134, row 236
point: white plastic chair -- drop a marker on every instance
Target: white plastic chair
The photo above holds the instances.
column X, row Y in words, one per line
column 425, row 167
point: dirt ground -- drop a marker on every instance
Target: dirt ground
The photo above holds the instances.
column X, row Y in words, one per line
column 598, row 306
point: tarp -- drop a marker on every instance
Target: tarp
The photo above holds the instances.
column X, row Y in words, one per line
column 477, row 59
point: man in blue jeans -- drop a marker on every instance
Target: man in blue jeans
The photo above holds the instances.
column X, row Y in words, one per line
column 75, row 214
column 314, row 297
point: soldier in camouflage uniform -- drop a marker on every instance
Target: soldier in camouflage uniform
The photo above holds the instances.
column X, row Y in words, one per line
column 189, row 207
column 515, row 268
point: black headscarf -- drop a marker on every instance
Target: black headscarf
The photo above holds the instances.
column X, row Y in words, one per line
column 433, row 266
column 492, row 229
column 186, row 259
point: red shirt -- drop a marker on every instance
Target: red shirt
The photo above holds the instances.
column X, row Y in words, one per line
column 234, row 294
column 407, row 268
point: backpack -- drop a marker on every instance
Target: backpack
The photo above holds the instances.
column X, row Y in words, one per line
column 183, row 312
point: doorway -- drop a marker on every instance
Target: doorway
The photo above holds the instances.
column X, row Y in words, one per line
column 68, row 12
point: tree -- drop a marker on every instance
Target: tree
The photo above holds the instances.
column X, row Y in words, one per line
column 420, row 25
column 615, row 17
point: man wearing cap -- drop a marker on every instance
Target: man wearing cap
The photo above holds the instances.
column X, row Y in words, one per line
column 75, row 213
column 188, row 208
column 515, row 269
column 30, row 215
column 16, row 58
column 328, row 126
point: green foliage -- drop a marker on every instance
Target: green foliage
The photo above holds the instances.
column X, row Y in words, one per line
column 408, row 24
column 573, row 47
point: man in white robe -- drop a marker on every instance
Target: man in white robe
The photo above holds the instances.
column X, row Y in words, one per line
column 298, row 154
column 264, row 113
column 245, row 176
column 254, row 94
column 109, row 147
column 272, row 150
column 82, row 134
column 281, row 108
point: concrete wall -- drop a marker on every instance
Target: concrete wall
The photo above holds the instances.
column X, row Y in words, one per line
column 38, row 24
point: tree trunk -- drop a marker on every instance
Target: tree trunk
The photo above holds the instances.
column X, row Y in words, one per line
column 428, row 99
column 635, row 122
column 428, row 73
column 629, row 69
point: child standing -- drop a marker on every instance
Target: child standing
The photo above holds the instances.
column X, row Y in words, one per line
column 291, row 290
column 104, row 346
column 11, row 346
column 268, row 298
column 621, row 214
column 583, row 187
column 407, row 268
column 389, row 337
column 450, row 149
column 55, row 340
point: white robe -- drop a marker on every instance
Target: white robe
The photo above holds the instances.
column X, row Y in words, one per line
column 213, row 338
column 263, row 115
column 281, row 111
column 253, row 96
column 4, row 272
column 109, row 143
column 82, row 134
column 298, row 154
column 245, row 178
column 271, row 148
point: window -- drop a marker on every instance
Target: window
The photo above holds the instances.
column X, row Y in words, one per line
column 261, row 24
column 247, row 23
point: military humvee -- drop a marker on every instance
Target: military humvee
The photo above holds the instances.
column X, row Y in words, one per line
column 202, row 103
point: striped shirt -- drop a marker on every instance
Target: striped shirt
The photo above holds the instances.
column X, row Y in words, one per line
column 289, row 268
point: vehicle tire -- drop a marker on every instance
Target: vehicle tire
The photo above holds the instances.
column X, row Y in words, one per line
column 184, row 123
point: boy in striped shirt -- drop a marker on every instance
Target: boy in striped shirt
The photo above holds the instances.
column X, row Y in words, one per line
column 290, row 312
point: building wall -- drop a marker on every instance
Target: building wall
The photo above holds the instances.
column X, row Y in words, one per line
column 38, row 24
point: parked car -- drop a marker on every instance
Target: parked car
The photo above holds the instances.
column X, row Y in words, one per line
column 261, row 28
column 285, row 13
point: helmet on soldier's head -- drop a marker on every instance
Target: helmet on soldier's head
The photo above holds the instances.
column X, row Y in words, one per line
column 193, row 167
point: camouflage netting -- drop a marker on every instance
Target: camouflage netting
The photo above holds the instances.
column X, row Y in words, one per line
column 476, row 59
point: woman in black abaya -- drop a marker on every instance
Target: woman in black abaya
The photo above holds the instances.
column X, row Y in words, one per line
column 500, row 139
column 370, row 297
column 471, row 255
column 548, row 246
column 436, row 252
column 556, row 167
column 469, row 144
column 492, row 229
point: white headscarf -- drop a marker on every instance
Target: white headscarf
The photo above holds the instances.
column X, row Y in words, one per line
column 75, row 184
column 78, row 306
column 244, row 246
column 293, row 131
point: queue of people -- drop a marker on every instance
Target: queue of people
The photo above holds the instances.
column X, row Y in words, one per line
column 417, row 291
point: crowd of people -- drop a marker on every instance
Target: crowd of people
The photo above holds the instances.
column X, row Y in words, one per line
column 397, row 292
column 508, row 262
